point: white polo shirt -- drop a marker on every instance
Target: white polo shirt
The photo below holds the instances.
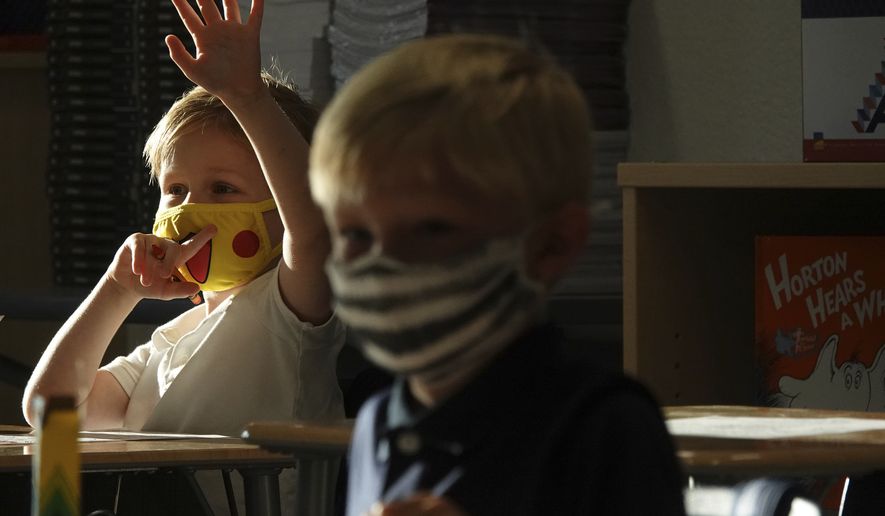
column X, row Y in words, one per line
column 250, row 359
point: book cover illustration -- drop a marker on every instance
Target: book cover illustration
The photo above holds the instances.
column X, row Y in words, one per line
column 820, row 321
column 843, row 77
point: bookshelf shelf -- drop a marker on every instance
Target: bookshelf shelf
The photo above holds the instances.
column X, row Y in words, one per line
column 689, row 234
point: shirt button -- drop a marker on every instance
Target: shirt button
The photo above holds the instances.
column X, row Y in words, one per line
column 408, row 443
column 383, row 454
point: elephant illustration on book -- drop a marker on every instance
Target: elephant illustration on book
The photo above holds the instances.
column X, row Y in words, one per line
column 848, row 386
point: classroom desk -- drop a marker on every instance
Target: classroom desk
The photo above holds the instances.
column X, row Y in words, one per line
column 820, row 453
column 316, row 448
column 260, row 468
column 823, row 452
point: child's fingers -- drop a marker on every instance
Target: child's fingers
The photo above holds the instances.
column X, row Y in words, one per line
column 164, row 262
column 179, row 289
column 155, row 266
column 191, row 19
column 424, row 504
column 209, row 11
column 137, row 253
column 256, row 14
column 158, row 252
column 231, row 10
column 150, row 258
column 179, row 54
column 191, row 247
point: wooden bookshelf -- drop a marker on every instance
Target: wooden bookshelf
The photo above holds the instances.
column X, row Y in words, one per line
column 689, row 233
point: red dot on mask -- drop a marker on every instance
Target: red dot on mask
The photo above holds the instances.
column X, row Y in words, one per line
column 245, row 244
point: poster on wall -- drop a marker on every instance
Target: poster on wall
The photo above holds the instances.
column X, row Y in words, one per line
column 843, row 80
column 820, row 321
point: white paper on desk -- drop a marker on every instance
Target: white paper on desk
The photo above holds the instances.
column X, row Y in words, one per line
column 19, row 439
column 742, row 427
column 118, row 435
column 27, row 439
column 125, row 435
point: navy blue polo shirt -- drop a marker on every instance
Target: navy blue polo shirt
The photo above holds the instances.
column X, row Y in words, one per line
column 533, row 433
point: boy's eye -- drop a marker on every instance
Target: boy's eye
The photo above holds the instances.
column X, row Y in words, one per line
column 434, row 228
column 353, row 242
column 222, row 188
column 356, row 235
column 176, row 190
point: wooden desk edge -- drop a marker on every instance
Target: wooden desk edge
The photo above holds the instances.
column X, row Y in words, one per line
column 155, row 454
column 855, row 452
column 331, row 437
column 685, row 411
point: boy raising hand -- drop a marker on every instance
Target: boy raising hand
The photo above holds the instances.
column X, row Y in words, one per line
column 227, row 65
column 235, row 221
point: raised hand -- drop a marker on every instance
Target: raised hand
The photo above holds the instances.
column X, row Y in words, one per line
column 146, row 265
column 228, row 60
column 228, row 65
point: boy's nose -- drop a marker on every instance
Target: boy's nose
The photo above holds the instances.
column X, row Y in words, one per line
column 389, row 245
column 397, row 249
column 377, row 247
column 193, row 198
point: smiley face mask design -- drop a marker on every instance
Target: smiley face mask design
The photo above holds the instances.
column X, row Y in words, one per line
column 238, row 253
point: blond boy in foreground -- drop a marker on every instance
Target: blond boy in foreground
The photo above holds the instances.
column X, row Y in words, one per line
column 454, row 175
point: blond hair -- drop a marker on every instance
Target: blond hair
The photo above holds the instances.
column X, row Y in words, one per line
column 481, row 108
column 198, row 109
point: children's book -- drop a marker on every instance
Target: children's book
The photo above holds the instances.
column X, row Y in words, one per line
column 820, row 321
column 843, row 76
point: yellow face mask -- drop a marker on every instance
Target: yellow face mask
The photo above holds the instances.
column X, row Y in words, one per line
column 236, row 255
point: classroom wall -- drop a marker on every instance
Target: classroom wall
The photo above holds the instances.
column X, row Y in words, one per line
column 715, row 80
column 709, row 80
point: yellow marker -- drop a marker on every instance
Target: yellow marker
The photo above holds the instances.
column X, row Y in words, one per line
column 56, row 461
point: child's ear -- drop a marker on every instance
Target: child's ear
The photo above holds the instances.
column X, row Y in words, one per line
column 557, row 243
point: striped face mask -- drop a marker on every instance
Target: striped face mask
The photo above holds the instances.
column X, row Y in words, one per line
column 436, row 320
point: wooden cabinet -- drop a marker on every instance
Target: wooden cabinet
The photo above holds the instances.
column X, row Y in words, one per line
column 689, row 233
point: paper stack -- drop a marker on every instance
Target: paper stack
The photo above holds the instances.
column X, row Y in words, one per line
column 361, row 30
column 293, row 41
